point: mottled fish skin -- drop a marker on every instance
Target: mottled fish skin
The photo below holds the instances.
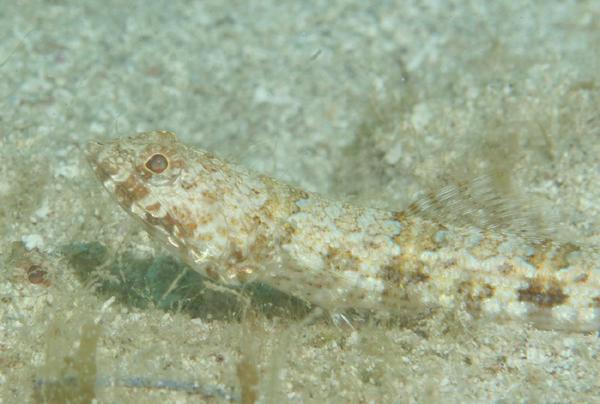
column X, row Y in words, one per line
column 235, row 226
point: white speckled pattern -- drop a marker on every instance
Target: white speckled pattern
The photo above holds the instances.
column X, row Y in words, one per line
column 235, row 226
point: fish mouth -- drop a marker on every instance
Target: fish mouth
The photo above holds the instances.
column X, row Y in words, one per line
column 92, row 150
column 93, row 154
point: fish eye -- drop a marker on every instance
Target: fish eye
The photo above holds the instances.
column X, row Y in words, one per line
column 157, row 163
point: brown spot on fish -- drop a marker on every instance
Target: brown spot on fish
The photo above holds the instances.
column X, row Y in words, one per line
column 404, row 271
column 130, row 191
column 341, row 260
column 37, row 275
column 560, row 257
column 153, row 207
column 543, row 293
column 475, row 293
column 167, row 222
column 552, row 254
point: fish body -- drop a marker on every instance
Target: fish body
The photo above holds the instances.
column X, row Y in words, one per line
column 235, row 226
